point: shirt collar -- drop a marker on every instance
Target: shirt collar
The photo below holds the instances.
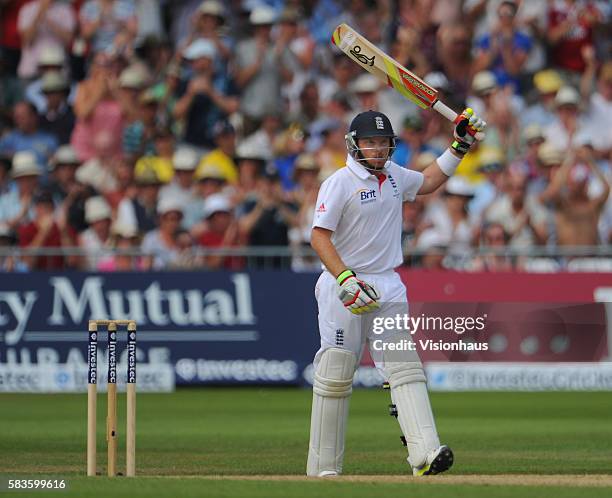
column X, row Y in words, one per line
column 359, row 170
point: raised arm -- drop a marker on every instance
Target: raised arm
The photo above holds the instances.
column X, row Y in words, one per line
column 444, row 166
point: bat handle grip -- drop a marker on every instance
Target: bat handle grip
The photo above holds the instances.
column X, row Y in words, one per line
column 452, row 116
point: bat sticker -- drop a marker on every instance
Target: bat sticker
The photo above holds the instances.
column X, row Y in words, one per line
column 364, row 59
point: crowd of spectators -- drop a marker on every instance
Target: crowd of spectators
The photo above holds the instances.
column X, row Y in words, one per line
column 158, row 127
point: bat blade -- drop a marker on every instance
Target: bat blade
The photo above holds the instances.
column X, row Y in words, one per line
column 388, row 70
column 385, row 68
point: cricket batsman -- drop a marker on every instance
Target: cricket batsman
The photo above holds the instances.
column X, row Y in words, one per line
column 356, row 232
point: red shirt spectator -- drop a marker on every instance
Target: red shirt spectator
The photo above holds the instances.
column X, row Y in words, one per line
column 44, row 232
column 570, row 28
column 10, row 41
column 222, row 232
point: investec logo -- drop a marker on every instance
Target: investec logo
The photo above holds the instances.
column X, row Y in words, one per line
column 131, row 360
column 367, row 196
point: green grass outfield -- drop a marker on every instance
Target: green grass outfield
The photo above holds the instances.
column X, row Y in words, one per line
column 243, row 442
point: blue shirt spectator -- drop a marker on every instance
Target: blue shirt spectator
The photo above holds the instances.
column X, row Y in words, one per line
column 504, row 50
column 27, row 137
column 520, row 42
column 111, row 25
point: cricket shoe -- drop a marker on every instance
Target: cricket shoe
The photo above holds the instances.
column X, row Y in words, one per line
column 328, row 473
column 438, row 461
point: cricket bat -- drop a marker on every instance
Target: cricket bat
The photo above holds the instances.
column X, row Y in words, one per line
column 388, row 70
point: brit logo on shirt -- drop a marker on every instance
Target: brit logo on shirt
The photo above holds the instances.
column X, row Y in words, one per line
column 366, row 196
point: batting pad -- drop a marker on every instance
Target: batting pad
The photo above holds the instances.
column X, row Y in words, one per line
column 409, row 394
column 332, row 388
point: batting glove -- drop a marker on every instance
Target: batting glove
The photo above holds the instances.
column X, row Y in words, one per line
column 357, row 296
column 468, row 126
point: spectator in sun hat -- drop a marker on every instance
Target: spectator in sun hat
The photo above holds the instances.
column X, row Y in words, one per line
column 449, row 214
column 569, row 119
column 547, row 83
column 63, row 167
column 204, row 98
column 98, row 216
column 130, row 89
column 599, row 112
column 521, row 215
column 490, row 163
column 533, row 138
column 500, row 107
column 495, row 236
column 161, row 244
column 267, row 218
column 124, row 240
column 52, row 59
column 42, row 24
column 208, row 21
column 222, row 231
column 16, row 203
column 305, row 177
column 58, row 118
column 251, row 161
column 139, row 136
column 208, row 181
column 100, row 171
column 139, row 211
column 433, row 245
column 262, row 66
column 184, row 162
column 365, row 88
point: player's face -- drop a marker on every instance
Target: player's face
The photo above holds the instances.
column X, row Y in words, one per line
column 375, row 150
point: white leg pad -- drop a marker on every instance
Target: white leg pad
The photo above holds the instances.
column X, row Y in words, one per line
column 333, row 385
column 409, row 394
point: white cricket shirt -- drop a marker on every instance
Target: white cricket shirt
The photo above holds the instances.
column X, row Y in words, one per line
column 365, row 214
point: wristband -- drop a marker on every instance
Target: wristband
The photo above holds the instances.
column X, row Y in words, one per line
column 344, row 275
column 460, row 147
column 448, row 162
